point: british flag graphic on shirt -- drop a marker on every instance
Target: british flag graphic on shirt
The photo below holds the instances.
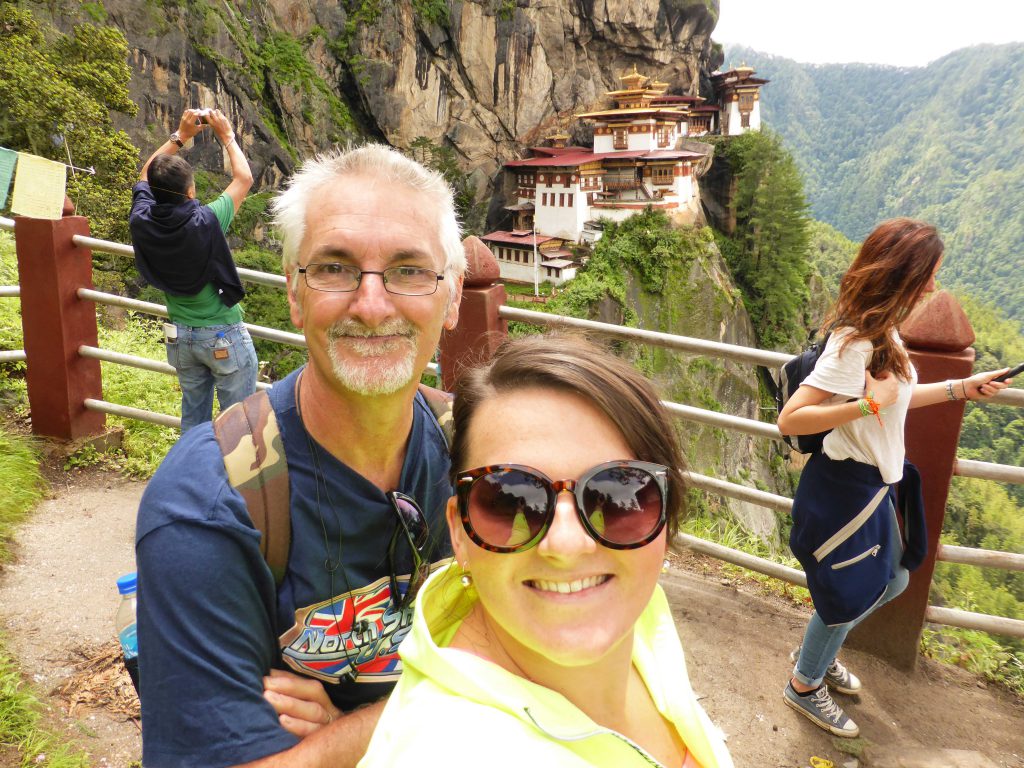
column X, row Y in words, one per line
column 354, row 635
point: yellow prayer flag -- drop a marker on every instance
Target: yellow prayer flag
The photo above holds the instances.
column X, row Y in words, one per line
column 39, row 187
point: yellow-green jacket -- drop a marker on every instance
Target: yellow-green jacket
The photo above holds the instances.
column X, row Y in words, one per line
column 453, row 708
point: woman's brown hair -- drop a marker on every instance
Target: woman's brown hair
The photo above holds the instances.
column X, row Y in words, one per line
column 882, row 286
column 576, row 366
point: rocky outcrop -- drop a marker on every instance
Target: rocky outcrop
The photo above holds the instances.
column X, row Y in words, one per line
column 700, row 300
column 485, row 77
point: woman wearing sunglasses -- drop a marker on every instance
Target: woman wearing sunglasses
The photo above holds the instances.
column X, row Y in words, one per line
column 845, row 532
column 547, row 641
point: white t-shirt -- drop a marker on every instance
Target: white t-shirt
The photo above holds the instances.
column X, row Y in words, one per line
column 862, row 440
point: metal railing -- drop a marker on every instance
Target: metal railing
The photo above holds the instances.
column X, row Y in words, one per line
column 731, row 352
column 757, row 357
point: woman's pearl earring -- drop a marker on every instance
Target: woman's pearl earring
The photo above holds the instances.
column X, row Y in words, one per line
column 466, row 578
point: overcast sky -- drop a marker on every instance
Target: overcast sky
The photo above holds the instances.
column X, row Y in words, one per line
column 901, row 32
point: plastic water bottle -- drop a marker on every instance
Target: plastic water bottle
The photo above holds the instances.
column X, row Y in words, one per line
column 124, row 623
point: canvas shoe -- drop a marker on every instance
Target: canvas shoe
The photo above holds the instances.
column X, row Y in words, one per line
column 837, row 676
column 821, row 710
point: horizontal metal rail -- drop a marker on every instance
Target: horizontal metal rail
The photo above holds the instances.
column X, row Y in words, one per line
column 6, row 223
column 741, row 492
column 106, row 246
column 263, row 278
column 139, row 414
column 148, row 364
column 135, row 361
column 13, row 356
column 723, row 420
column 954, row 617
column 983, row 558
column 748, row 355
column 742, row 559
column 149, row 308
column 1004, row 473
column 10, row 291
column 1012, row 396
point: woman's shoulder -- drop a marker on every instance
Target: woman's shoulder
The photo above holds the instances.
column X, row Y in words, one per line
column 843, row 340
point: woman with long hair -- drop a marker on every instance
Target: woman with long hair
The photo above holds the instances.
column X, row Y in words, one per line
column 845, row 529
column 547, row 641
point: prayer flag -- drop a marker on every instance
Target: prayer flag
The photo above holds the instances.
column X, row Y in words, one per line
column 8, row 159
column 39, row 187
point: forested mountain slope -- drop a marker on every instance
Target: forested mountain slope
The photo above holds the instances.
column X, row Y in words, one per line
column 943, row 143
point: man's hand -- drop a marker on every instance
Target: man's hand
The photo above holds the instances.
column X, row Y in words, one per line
column 220, row 125
column 189, row 124
column 884, row 390
column 302, row 704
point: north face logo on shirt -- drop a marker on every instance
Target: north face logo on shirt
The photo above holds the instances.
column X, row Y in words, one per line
column 354, row 634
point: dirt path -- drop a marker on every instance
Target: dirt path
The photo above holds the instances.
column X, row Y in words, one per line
column 59, row 598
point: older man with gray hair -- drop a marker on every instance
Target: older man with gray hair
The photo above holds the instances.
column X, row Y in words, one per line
column 239, row 665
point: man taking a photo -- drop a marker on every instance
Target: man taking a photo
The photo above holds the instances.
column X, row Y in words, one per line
column 180, row 248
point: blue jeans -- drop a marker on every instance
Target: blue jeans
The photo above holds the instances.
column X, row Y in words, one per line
column 822, row 642
column 221, row 357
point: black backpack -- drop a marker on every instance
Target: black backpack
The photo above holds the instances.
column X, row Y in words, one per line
column 791, row 376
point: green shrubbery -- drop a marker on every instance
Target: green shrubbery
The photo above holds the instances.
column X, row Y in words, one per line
column 57, row 93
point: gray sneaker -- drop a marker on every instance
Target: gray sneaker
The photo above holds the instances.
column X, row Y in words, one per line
column 837, row 676
column 821, row 710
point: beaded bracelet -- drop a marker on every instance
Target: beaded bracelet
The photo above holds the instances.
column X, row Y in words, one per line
column 869, row 406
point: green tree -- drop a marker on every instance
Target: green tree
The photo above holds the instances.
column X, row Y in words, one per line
column 57, row 93
column 470, row 209
column 768, row 253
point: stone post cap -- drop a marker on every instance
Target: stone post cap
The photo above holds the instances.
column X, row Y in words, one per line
column 938, row 324
column 481, row 266
column 69, row 207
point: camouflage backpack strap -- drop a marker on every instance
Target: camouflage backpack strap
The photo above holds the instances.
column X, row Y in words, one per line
column 250, row 441
column 441, row 406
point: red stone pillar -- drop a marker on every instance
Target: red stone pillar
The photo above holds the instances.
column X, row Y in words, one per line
column 55, row 322
column 938, row 335
column 480, row 330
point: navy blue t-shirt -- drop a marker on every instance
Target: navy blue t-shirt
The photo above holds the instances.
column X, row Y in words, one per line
column 209, row 624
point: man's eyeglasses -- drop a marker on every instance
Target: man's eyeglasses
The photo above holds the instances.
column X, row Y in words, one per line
column 412, row 529
column 342, row 278
column 510, row 507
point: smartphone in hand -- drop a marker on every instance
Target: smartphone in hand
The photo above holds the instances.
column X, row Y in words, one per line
column 1016, row 370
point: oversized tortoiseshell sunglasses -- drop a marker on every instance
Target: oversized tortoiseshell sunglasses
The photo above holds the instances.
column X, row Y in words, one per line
column 509, row 507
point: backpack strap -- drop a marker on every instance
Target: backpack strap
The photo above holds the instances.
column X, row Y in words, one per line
column 250, row 441
column 440, row 403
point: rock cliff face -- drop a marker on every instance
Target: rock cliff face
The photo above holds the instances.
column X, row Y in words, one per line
column 702, row 301
column 485, row 77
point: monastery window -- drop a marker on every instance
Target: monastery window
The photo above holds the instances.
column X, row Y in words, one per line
column 619, row 140
column 747, row 101
column 662, row 135
column 570, row 199
column 745, row 119
column 561, row 199
column 662, row 175
column 544, row 198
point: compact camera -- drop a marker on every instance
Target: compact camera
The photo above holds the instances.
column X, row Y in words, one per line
column 204, row 116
